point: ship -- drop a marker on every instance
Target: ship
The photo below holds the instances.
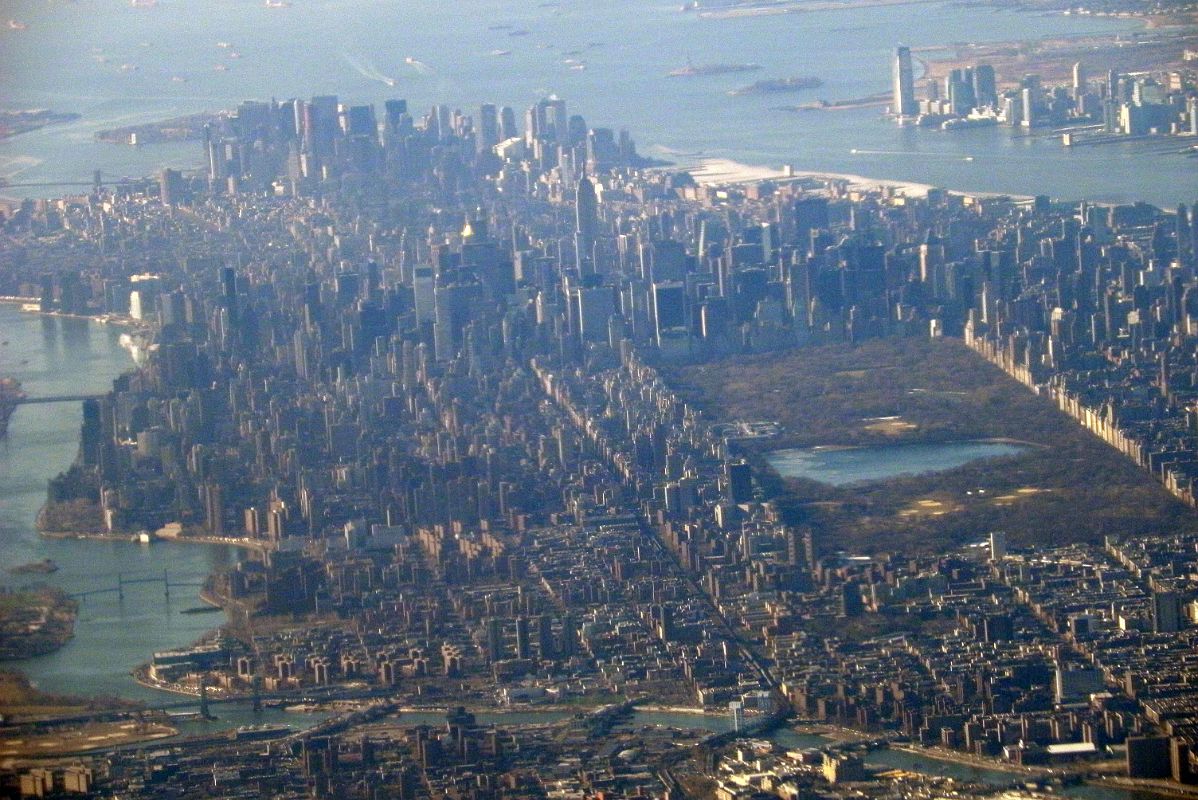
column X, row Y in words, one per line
column 777, row 85
column 693, row 70
column 10, row 396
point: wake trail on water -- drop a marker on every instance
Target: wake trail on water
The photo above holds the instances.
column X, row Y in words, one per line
column 368, row 71
column 419, row 66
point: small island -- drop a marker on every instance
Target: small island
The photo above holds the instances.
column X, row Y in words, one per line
column 779, row 85
column 44, row 567
column 699, row 70
column 177, row 129
column 13, row 123
column 35, row 621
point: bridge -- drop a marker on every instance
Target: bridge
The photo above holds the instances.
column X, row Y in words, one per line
column 121, row 582
column 55, row 398
column 98, row 181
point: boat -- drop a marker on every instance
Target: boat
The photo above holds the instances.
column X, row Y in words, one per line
column 500, row 53
column 699, row 70
column 277, row 4
column 963, row 123
column 223, row 45
column 779, row 85
column 221, row 68
column 143, row 3
column 16, row 25
column 267, row 731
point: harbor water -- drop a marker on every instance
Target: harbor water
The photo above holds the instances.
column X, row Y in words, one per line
column 120, row 64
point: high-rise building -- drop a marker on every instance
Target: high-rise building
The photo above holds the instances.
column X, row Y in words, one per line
column 1166, row 612
column 998, row 545
column 669, row 308
column 904, row 84
column 740, row 481
column 985, row 86
column 487, row 135
column 1079, row 80
column 586, row 213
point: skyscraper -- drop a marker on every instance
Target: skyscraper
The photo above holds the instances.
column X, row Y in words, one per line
column 1079, row 80
column 904, row 84
column 586, row 210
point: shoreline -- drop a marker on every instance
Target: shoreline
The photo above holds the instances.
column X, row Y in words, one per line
column 228, row 541
column 712, row 171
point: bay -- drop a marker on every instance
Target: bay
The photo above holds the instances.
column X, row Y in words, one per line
column 119, row 64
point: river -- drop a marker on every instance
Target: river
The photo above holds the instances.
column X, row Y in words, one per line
column 117, row 64
column 52, row 356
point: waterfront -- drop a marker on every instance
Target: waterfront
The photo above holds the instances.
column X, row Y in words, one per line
column 60, row 355
column 847, row 465
column 132, row 65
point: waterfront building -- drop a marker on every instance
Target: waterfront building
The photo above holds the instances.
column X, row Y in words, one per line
column 903, row 103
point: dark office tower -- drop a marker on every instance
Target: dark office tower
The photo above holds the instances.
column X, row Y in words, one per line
column 170, row 187
column 545, row 637
column 904, row 84
column 488, row 127
column 357, row 121
column 740, row 482
column 811, row 214
column 998, row 628
column 602, row 151
column 320, row 125
column 586, row 218
column 960, row 91
column 228, row 280
column 850, row 599
column 594, row 307
column 666, row 261
column 553, row 119
column 1166, row 612
column 576, row 130
column 91, row 438
column 985, row 87
column 494, row 640
column 394, row 111
column 532, row 124
column 522, row 649
column 669, row 308
column 214, row 509
column 507, row 124
column 46, row 300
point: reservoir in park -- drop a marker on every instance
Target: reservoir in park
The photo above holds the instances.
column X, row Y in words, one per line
column 842, row 466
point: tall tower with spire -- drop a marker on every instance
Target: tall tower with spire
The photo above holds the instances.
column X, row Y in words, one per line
column 586, row 227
